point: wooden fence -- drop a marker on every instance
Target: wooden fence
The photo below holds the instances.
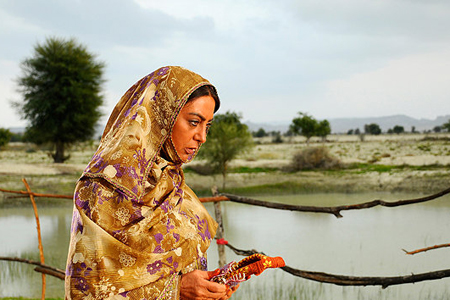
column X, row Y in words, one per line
column 222, row 243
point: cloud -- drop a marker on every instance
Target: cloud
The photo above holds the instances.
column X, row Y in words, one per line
column 8, row 95
column 416, row 20
column 268, row 59
column 415, row 85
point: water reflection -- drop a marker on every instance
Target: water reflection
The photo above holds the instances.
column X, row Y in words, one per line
column 18, row 238
column 362, row 243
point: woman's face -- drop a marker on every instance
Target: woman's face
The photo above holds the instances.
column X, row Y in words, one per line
column 191, row 126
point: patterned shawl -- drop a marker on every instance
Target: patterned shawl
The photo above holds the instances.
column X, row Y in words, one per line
column 136, row 225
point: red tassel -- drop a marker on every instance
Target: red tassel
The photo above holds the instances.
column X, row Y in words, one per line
column 222, row 241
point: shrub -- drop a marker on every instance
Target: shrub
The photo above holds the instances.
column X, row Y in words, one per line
column 5, row 136
column 314, row 158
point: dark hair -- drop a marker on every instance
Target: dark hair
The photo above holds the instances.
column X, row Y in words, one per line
column 206, row 90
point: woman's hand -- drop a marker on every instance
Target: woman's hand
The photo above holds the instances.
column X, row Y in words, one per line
column 230, row 292
column 195, row 285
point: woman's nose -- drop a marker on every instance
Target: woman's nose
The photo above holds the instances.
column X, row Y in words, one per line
column 200, row 136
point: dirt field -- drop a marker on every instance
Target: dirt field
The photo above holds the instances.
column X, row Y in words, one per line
column 417, row 162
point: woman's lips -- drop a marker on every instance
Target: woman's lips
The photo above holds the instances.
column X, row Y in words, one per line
column 190, row 150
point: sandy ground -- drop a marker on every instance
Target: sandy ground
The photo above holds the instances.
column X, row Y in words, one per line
column 408, row 149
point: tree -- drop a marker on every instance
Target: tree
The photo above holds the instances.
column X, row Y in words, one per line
column 323, row 129
column 5, row 137
column 276, row 137
column 446, row 126
column 260, row 133
column 61, row 85
column 227, row 138
column 305, row 125
column 437, row 129
column 372, row 129
column 398, row 129
column 308, row 126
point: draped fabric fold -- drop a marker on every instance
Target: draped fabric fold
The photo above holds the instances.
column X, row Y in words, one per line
column 136, row 225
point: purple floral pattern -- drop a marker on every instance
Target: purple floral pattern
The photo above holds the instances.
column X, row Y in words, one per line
column 136, row 225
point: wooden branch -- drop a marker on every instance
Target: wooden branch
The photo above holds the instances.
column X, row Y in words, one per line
column 38, row 227
column 344, row 280
column 50, row 272
column 243, row 252
column 384, row 282
column 335, row 210
column 213, row 199
column 28, row 193
column 36, row 194
column 48, row 269
column 426, row 249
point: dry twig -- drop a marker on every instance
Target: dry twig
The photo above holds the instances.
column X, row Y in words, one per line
column 426, row 249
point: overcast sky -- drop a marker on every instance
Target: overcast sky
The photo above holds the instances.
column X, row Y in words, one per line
column 268, row 59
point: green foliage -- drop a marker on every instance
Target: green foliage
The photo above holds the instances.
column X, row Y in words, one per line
column 308, row 126
column 17, row 137
column 398, row 129
column 260, row 133
column 304, row 125
column 362, row 168
column 61, row 87
column 372, row 129
column 227, row 138
column 276, row 137
column 323, row 129
column 248, row 170
column 5, row 137
column 446, row 126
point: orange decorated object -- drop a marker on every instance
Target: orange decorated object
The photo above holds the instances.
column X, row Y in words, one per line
column 235, row 272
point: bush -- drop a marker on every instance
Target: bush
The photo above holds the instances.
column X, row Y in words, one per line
column 5, row 136
column 314, row 158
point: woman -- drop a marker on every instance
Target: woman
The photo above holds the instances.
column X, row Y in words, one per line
column 138, row 231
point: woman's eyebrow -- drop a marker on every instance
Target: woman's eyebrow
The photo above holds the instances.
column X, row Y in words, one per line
column 200, row 116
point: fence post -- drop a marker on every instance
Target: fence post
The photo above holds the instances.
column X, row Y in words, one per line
column 220, row 230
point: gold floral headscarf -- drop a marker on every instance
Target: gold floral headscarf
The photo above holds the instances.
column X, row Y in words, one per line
column 136, row 225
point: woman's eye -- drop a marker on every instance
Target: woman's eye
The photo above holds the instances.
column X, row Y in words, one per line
column 194, row 122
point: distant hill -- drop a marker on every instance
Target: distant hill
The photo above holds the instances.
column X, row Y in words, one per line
column 339, row 125
column 342, row 125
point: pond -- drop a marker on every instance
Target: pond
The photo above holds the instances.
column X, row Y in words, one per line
column 363, row 243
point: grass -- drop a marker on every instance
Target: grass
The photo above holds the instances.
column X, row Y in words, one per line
column 281, row 188
column 247, row 170
column 361, row 168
